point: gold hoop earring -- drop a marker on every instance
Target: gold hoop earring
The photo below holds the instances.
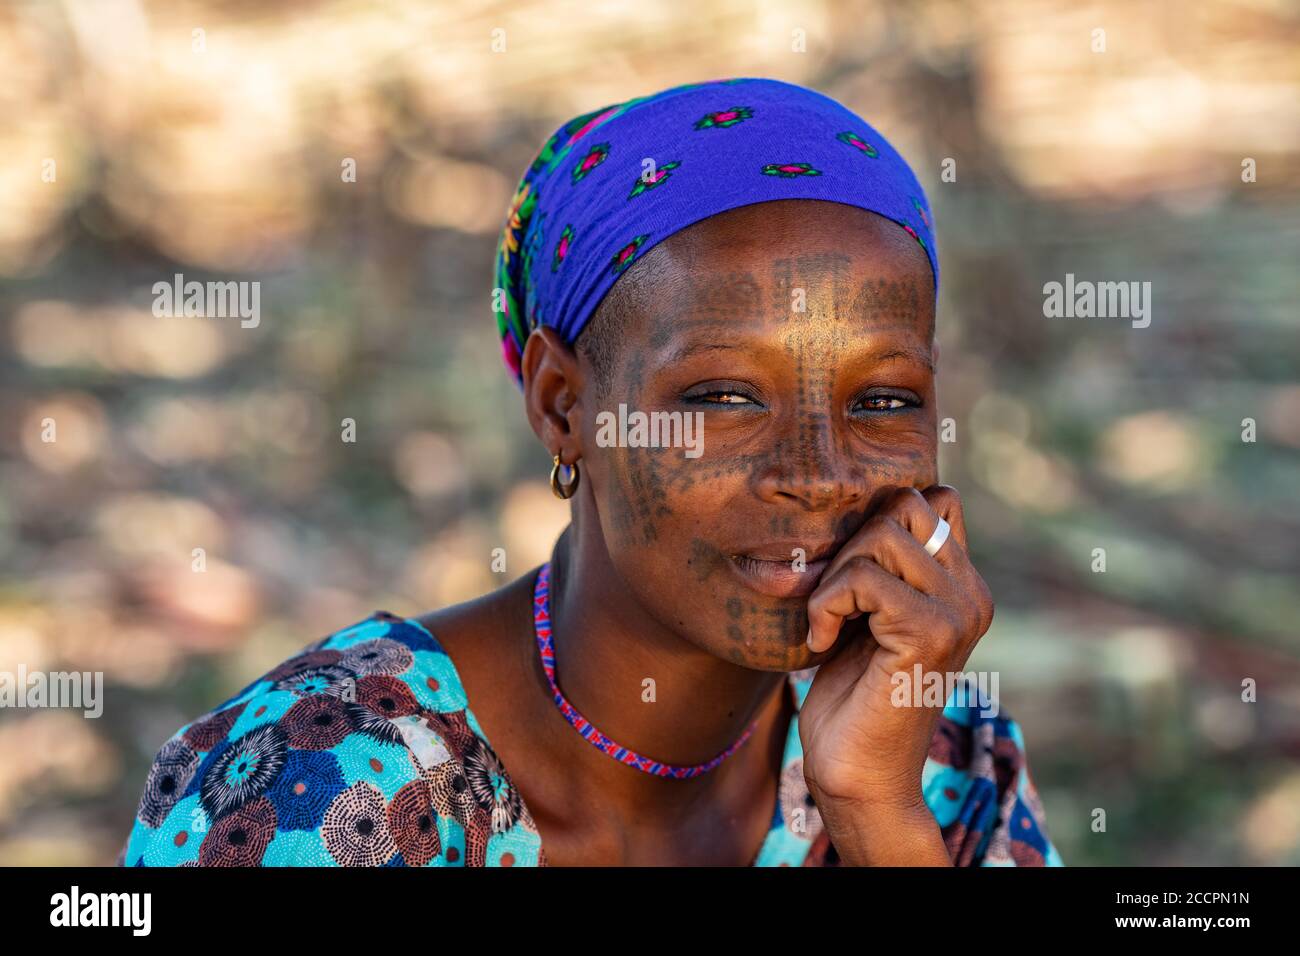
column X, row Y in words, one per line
column 566, row 489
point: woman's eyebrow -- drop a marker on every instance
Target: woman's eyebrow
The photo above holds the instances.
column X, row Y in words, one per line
column 695, row 348
column 920, row 356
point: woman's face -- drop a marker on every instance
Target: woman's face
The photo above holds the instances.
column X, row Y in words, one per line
column 802, row 334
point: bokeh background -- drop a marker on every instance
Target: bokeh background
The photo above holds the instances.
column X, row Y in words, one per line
column 219, row 155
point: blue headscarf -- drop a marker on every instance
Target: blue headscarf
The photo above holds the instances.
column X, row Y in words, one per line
column 610, row 184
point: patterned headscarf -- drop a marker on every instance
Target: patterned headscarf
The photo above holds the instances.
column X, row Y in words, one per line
column 610, row 184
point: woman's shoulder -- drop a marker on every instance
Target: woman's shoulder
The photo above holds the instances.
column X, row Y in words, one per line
column 360, row 750
column 978, row 785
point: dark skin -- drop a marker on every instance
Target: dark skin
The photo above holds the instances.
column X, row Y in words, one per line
column 804, row 332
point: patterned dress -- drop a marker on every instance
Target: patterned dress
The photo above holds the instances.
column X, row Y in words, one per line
column 362, row 750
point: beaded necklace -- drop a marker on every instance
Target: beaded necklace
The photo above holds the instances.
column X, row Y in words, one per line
column 624, row 755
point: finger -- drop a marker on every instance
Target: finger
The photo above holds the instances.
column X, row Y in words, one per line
column 890, row 545
column 910, row 509
column 946, row 502
column 860, row 585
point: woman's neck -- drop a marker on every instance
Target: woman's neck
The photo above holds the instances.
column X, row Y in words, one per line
column 609, row 647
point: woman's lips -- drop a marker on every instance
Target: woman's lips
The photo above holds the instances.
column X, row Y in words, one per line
column 779, row 578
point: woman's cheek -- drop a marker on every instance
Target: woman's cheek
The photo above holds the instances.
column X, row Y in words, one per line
column 902, row 457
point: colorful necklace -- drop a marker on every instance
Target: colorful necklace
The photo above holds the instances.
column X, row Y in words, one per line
column 624, row 755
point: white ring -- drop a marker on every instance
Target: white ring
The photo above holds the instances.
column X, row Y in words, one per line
column 938, row 538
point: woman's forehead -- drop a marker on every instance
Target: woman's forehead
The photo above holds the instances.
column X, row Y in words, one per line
column 728, row 259
column 736, row 268
column 738, row 318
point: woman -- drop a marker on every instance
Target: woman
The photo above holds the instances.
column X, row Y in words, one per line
column 742, row 618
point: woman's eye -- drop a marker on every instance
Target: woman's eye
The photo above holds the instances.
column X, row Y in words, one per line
column 885, row 403
column 724, row 398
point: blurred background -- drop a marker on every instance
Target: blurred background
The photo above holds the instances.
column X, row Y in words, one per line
column 211, row 139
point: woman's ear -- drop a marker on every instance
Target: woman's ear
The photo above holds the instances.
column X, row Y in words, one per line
column 553, row 393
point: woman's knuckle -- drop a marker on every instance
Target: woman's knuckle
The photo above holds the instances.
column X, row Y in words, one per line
column 880, row 529
column 948, row 493
column 878, row 522
column 945, row 499
column 858, row 564
column 912, row 502
column 904, row 494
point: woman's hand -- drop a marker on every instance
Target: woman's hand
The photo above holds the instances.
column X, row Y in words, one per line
column 863, row 756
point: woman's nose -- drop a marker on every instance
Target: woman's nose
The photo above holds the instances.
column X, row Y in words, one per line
column 817, row 474
column 822, row 494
